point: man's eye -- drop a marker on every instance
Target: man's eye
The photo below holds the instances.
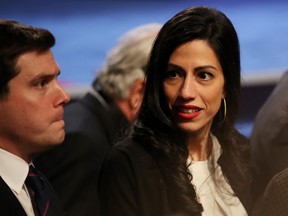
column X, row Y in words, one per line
column 205, row 75
column 42, row 83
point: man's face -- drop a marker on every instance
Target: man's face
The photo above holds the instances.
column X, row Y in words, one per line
column 32, row 114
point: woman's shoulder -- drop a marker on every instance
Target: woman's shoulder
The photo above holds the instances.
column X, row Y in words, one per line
column 128, row 150
column 128, row 146
column 129, row 158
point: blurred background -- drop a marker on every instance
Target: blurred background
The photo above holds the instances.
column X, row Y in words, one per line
column 86, row 30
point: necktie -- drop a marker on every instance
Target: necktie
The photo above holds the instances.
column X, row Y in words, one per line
column 41, row 193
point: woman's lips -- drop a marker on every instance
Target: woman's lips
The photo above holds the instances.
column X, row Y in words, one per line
column 187, row 112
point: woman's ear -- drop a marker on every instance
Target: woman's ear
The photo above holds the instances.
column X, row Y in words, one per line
column 223, row 94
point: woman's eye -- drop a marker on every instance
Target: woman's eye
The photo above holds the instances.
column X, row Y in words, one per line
column 205, row 75
column 172, row 74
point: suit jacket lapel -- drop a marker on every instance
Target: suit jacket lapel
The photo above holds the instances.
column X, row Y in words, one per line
column 9, row 203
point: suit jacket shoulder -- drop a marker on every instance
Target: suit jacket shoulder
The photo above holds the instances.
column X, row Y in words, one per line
column 89, row 117
column 269, row 136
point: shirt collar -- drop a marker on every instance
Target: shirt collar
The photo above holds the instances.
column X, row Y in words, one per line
column 99, row 97
column 216, row 151
column 13, row 170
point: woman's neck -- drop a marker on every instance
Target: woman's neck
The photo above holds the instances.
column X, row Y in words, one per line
column 200, row 147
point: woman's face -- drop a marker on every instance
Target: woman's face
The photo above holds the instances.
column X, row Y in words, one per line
column 194, row 86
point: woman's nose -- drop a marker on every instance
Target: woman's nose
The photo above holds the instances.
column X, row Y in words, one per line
column 188, row 89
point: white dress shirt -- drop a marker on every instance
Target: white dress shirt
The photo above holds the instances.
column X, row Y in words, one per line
column 13, row 171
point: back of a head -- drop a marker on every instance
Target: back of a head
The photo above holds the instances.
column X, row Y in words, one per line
column 16, row 39
column 127, row 61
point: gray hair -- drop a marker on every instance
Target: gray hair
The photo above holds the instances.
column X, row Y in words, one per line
column 127, row 61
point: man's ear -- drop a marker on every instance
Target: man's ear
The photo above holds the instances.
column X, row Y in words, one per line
column 136, row 94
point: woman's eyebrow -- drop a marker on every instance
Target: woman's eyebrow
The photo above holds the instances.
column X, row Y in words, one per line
column 205, row 67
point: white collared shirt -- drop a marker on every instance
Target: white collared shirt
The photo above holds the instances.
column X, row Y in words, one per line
column 13, row 171
column 215, row 194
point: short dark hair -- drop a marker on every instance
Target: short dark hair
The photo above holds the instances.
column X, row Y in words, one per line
column 16, row 39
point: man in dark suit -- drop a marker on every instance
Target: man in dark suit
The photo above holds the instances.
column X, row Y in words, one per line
column 269, row 139
column 31, row 108
column 95, row 122
column 274, row 200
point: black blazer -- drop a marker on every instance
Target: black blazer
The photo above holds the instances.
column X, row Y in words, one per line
column 10, row 206
column 72, row 167
column 131, row 185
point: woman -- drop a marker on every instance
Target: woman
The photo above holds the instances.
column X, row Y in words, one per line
column 183, row 156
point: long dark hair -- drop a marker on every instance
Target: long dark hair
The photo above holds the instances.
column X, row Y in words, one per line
column 154, row 128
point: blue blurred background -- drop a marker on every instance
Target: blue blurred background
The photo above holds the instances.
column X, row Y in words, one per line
column 86, row 30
